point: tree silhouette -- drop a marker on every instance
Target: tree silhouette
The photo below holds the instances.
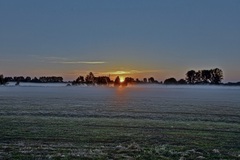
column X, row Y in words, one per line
column 52, row 79
column 216, row 76
column 213, row 76
column 170, row 81
column 137, row 80
column 102, row 80
column 206, row 76
column 80, row 79
column 28, row 79
column 117, row 81
column 128, row 80
column 191, row 77
column 198, row 77
column 35, row 79
column 145, row 80
column 90, row 78
column 1, row 80
column 182, row 81
column 19, row 79
column 8, row 79
column 151, row 80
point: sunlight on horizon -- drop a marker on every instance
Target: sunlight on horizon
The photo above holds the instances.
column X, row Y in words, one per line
column 122, row 79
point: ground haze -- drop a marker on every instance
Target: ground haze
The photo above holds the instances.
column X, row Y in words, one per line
column 136, row 122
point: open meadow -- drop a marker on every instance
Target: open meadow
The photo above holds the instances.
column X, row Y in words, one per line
column 136, row 122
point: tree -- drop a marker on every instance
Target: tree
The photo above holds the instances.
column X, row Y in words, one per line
column 1, row 79
column 117, row 81
column 80, row 79
column 36, row 80
column 129, row 80
column 191, row 77
column 28, row 79
column 52, row 79
column 90, row 78
column 102, row 80
column 198, row 77
column 182, row 81
column 213, row 76
column 8, row 79
column 216, row 76
column 151, row 80
column 19, row 79
column 145, row 80
column 170, row 81
column 206, row 76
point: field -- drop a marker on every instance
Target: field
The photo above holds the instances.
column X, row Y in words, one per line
column 131, row 123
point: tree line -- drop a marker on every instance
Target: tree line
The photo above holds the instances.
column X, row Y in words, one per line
column 212, row 76
column 49, row 79
column 90, row 79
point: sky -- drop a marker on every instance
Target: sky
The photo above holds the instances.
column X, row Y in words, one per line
column 138, row 38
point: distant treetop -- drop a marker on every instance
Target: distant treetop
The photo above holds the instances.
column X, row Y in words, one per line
column 212, row 76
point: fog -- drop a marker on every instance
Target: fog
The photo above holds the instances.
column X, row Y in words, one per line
column 215, row 103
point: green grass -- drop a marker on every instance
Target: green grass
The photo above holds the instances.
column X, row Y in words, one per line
column 36, row 137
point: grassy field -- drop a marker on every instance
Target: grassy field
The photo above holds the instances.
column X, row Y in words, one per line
column 38, row 137
column 114, row 123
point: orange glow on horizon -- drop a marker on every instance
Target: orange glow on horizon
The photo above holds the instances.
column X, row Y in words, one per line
column 122, row 79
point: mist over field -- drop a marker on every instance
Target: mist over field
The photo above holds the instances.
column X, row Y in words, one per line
column 156, row 121
column 213, row 103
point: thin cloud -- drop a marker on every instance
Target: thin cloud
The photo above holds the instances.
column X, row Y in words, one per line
column 126, row 72
column 55, row 58
column 118, row 72
column 146, row 71
column 49, row 58
column 63, row 60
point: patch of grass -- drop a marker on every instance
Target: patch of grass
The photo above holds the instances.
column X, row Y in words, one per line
column 29, row 137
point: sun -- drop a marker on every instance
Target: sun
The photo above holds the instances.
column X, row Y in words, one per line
column 121, row 79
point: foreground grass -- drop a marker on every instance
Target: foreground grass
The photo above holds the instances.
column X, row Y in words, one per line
column 36, row 137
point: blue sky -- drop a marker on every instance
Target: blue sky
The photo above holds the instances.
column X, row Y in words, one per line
column 139, row 38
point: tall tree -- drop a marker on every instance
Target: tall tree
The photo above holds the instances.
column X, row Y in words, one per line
column 117, row 81
column 1, row 79
column 90, row 78
column 191, row 77
column 206, row 76
column 216, row 76
column 80, row 79
column 198, row 77
column 145, row 80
